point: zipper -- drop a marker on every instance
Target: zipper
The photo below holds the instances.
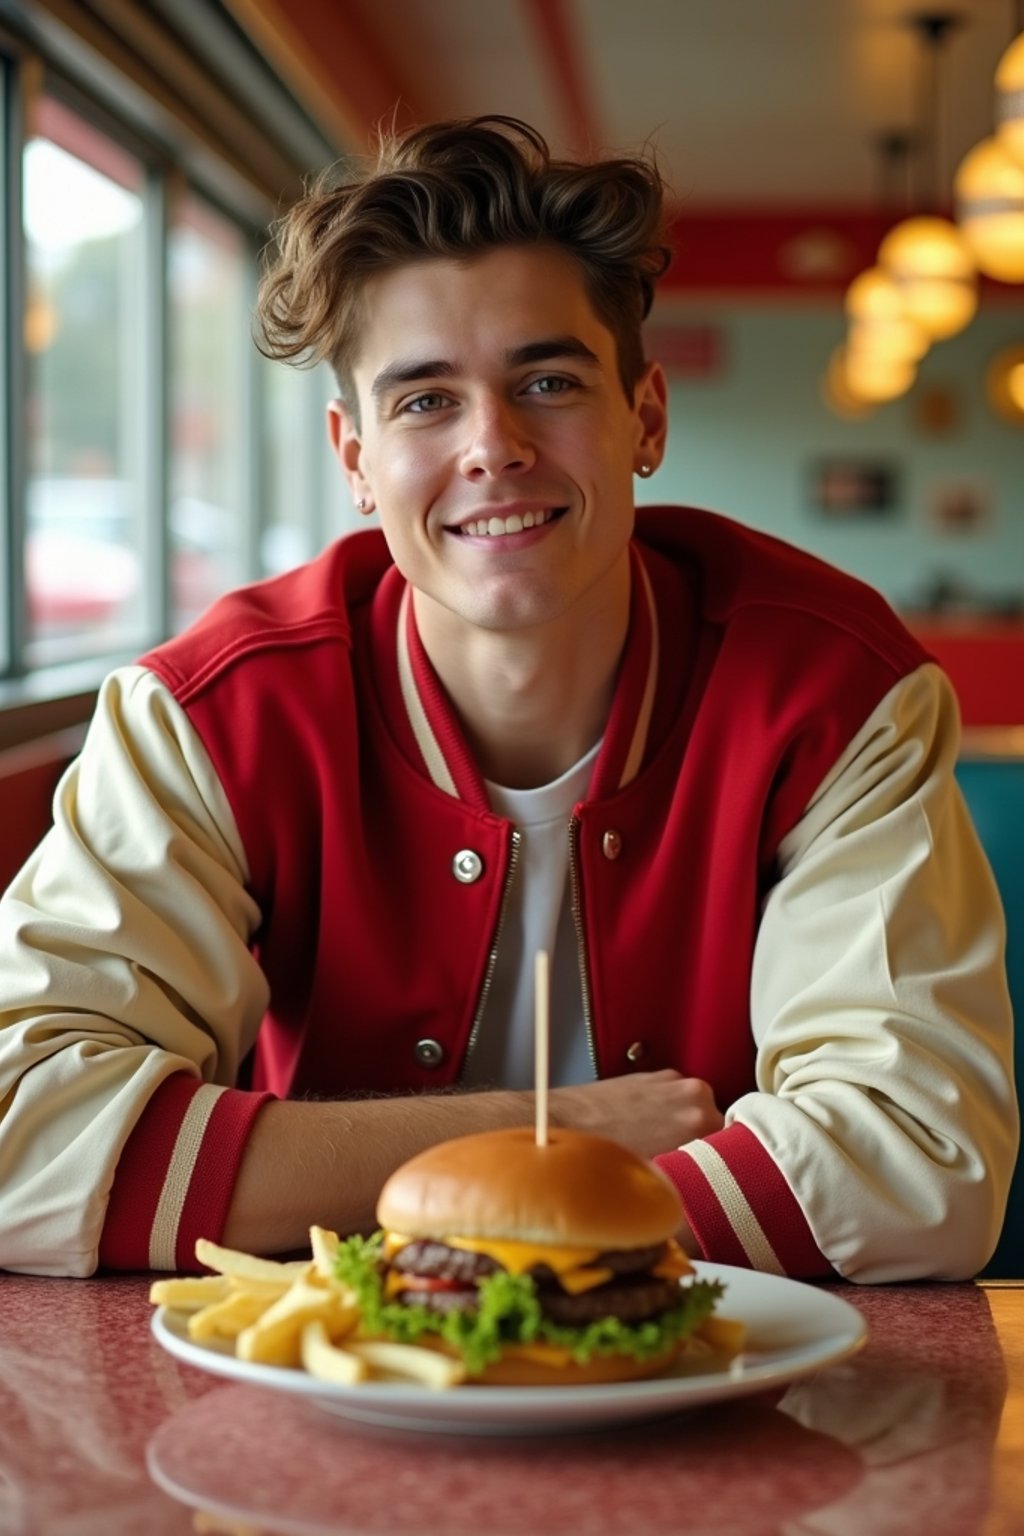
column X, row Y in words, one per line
column 492, row 958
column 581, row 948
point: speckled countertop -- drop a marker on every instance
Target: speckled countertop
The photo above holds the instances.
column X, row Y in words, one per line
column 105, row 1433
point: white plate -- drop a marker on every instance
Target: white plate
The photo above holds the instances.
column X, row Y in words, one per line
column 792, row 1330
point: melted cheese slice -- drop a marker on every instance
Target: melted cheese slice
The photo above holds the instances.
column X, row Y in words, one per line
column 517, row 1258
column 674, row 1265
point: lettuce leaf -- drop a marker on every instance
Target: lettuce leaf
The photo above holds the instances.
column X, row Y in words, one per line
column 509, row 1313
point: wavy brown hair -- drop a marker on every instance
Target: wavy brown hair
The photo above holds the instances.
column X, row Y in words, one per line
column 457, row 189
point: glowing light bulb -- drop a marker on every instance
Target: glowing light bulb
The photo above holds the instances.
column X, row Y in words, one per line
column 1010, row 100
column 990, row 207
column 933, row 268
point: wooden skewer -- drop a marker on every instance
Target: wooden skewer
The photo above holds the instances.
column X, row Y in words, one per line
column 540, row 1042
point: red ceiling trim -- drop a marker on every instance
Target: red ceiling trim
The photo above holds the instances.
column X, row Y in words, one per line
column 799, row 250
column 792, row 252
column 556, row 30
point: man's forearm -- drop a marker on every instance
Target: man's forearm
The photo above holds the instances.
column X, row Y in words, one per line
column 325, row 1163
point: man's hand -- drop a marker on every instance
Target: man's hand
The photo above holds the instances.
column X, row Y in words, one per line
column 650, row 1112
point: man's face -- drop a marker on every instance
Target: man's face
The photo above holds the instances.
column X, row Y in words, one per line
column 496, row 440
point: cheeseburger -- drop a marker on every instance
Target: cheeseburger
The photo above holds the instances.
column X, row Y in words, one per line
column 554, row 1264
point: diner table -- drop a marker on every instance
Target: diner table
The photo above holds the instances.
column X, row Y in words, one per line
column 104, row 1432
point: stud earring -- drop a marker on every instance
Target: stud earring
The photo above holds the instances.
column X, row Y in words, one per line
column 361, row 504
column 645, row 470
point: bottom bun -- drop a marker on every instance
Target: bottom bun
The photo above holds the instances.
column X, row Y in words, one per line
column 516, row 1370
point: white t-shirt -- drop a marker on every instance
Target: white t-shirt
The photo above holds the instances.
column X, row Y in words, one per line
column 538, row 916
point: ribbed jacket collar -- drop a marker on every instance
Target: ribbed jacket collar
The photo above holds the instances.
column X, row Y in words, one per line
column 429, row 731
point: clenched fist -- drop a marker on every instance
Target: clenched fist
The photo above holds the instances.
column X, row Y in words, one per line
column 651, row 1112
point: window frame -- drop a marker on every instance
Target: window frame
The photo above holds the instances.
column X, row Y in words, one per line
column 24, row 74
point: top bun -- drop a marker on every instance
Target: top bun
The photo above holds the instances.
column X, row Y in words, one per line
column 581, row 1191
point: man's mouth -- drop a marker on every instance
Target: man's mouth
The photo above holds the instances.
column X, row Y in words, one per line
column 495, row 527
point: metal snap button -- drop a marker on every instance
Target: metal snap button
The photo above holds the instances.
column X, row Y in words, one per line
column 635, row 1051
column 429, row 1053
column 467, row 866
column 611, row 844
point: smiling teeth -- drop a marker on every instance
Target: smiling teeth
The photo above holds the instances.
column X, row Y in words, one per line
column 495, row 527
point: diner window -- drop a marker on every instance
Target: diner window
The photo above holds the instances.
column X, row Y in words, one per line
column 293, row 422
column 10, row 233
column 211, row 511
column 84, row 513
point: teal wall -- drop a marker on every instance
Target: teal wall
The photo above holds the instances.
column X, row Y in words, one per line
column 744, row 440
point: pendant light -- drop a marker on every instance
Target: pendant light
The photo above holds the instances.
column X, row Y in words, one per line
column 1010, row 92
column 989, row 189
column 927, row 255
column 879, row 322
column 876, row 377
column 878, row 362
column 989, row 184
column 934, row 270
column 875, row 307
column 1004, row 384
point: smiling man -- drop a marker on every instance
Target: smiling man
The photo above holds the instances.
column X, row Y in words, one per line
column 298, row 877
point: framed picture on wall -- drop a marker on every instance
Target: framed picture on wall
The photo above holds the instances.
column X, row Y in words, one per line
column 960, row 506
column 850, row 487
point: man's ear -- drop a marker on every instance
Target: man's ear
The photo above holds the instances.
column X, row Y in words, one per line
column 343, row 433
column 652, row 417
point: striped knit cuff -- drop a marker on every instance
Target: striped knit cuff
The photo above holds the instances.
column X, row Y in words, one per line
column 176, row 1173
column 740, row 1207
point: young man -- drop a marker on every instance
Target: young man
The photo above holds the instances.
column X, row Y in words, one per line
column 299, row 875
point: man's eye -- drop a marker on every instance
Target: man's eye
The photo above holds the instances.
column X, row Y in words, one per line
column 433, row 400
column 550, row 384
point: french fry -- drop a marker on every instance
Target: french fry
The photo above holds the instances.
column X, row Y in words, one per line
column 189, row 1293
column 723, row 1333
column 324, row 1245
column 326, row 1361
column 274, row 1338
column 226, row 1319
column 408, row 1362
column 247, row 1267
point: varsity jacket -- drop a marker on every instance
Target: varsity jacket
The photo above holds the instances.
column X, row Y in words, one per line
column 349, row 879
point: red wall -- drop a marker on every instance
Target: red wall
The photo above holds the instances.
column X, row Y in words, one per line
column 986, row 663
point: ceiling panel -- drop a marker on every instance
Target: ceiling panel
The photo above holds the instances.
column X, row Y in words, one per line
column 748, row 102
column 468, row 57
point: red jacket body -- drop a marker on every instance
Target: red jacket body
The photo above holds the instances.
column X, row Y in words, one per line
column 748, row 668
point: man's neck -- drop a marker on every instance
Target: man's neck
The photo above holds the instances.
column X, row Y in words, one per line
column 531, row 702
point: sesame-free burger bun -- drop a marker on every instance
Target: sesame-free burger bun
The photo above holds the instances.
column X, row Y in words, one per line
column 578, row 1190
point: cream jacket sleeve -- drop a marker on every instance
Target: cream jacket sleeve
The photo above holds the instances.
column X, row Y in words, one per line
column 880, row 1009
column 124, row 959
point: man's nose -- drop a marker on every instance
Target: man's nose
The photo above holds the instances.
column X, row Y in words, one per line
column 497, row 444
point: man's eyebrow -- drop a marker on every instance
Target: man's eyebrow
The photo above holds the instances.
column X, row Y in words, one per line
column 407, row 373
column 548, row 350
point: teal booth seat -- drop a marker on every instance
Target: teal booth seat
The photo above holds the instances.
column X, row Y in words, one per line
column 991, row 775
